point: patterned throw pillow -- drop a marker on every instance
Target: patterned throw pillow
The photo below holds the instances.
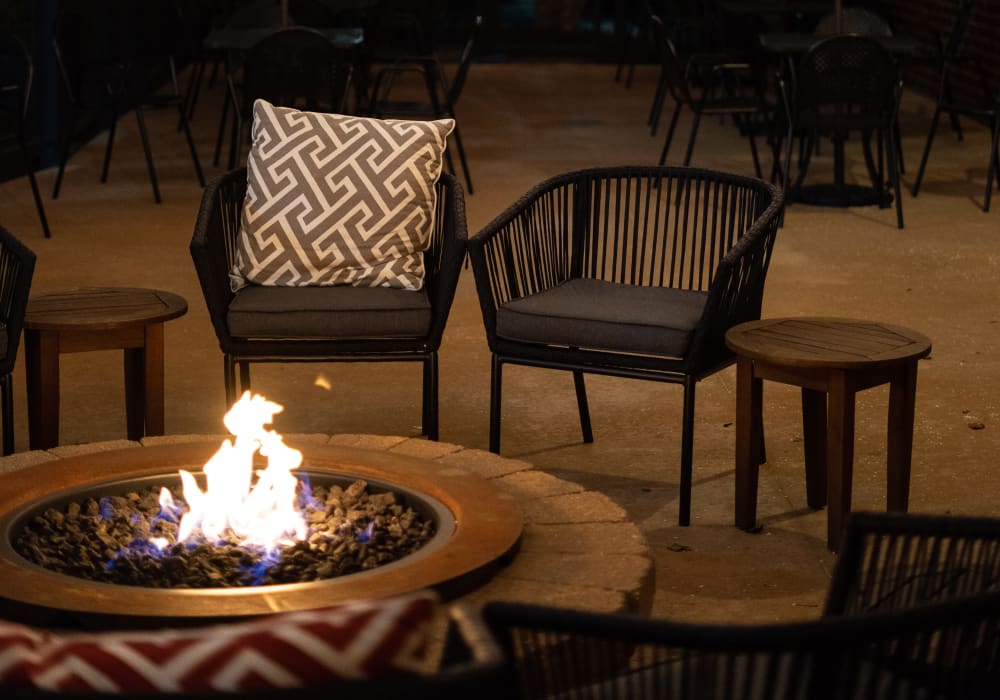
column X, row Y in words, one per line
column 333, row 199
column 355, row 640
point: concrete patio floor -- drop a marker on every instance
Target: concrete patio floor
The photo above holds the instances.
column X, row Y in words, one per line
column 522, row 123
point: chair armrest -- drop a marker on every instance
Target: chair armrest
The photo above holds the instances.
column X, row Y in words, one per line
column 17, row 267
column 737, row 290
column 526, row 248
column 443, row 262
column 213, row 245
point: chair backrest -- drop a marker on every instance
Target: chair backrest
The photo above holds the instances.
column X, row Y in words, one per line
column 943, row 651
column 953, row 42
column 17, row 266
column 15, row 80
column 896, row 560
column 852, row 77
column 671, row 66
column 296, row 67
column 854, row 20
column 464, row 61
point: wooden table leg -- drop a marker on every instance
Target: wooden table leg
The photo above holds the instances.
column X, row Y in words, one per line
column 840, row 453
column 41, row 355
column 748, row 447
column 814, row 444
column 899, row 447
column 135, row 392
column 144, row 385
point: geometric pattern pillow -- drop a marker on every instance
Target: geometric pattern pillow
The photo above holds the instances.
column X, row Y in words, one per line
column 358, row 639
column 334, row 199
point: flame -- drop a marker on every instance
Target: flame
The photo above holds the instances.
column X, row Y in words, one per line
column 262, row 514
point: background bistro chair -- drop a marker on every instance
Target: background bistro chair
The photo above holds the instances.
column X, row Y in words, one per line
column 16, row 71
column 296, row 67
column 631, row 272
column 17, row 265
column 441, row 96
column 361, row 320
column 727, row 88
column 846, row 83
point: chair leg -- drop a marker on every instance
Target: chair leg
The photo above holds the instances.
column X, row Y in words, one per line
column 186, row 126
column 495, row 391
column 582, row 407
column 148, row 152
column 691, row 138
column 221, row 134
column 111, row 142
column 656, row 108
column 687, row 453
column 893, row 158
column 229, row 375
column 244, row 376
column 7, row 399
column 670, row 133
column 927, row 151
column 430, row 402
column 29, row 167
column 753, row 149
column 993, row 171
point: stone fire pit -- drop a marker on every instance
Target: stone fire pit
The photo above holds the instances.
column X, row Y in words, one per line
column 577, row 547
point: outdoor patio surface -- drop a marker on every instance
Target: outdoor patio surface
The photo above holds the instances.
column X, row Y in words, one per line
column 522, row 123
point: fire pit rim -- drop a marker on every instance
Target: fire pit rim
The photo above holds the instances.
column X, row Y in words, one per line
column 488, row 530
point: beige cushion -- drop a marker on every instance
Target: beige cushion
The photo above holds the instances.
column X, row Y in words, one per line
column 334, row 199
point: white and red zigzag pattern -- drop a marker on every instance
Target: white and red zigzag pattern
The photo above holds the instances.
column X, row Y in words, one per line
column 333, row 199
column 354, row 640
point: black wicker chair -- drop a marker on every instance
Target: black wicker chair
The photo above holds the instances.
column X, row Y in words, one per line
column 441, row 96
column 946, row 650
column 846, row 83
column 213, row 248
column 16, row 72
column 897, row 560
column 17, row 265
column 629, row 271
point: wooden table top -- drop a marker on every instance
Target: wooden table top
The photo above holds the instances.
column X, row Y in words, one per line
column 101, row 308
column 844, row 343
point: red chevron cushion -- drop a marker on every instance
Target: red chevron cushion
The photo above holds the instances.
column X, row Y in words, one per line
column 355, row 640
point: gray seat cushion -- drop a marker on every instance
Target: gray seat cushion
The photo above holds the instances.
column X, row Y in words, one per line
column 601, row 315
column 329, row 312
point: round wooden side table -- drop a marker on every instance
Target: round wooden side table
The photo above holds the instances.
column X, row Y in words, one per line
column 831, row 359
column 102, row 318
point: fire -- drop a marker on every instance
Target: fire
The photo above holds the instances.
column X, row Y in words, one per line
column 262, row 514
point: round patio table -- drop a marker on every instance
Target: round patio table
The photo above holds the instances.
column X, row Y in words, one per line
column 102, row 318
column 831, row 359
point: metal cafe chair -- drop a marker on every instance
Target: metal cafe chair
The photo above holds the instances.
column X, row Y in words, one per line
column 845, row 83
column 442, row 96
column 16, row 73
column 631, row 272
column 727, row 89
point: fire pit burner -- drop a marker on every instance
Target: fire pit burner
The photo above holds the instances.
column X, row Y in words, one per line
column 478, row 531
column 119, row 533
